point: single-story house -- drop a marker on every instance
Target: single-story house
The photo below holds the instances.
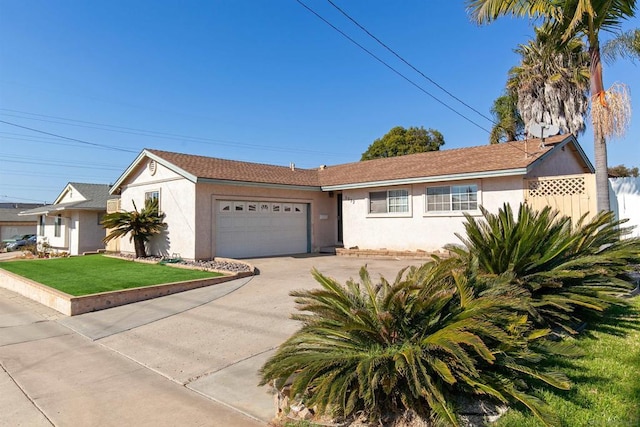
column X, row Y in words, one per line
column 72, row 223
column 11, row 223
column 224, row 208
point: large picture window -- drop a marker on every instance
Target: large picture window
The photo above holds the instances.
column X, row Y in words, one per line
column 452, row 198
column 392, row 201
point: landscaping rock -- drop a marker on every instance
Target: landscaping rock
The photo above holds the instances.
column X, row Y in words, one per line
column 214, row 264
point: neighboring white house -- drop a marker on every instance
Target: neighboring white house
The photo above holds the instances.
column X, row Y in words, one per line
column 72, row 223
column 217, row 207
column 625, row 202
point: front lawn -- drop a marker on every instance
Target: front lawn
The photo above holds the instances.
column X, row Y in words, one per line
column 606, row 389
column 92, row 274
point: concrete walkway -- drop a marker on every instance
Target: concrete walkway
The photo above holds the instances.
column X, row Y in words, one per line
column 187, row 359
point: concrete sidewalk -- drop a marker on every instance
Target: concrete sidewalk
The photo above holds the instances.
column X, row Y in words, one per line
column 186, row 359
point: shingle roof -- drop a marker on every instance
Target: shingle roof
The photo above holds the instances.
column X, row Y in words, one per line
column 96, row 196
column 11, row 215
column 485, row 158
column 232, row 170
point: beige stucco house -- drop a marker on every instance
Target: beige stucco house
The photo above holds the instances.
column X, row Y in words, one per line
column 216, row 207
column 72, row 223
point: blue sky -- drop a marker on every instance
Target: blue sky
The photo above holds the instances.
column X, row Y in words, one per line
column 253, row 80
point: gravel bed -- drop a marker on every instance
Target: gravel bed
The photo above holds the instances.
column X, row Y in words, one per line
column 219, row 265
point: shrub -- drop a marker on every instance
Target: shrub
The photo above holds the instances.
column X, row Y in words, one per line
column 414, row 344
column 566, row 269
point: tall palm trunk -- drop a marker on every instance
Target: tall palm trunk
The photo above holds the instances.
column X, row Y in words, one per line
column 599, row 140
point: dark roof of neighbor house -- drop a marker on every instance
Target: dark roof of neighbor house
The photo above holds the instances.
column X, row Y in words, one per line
column 11, row 215
column 232, row 170
column 96, row 196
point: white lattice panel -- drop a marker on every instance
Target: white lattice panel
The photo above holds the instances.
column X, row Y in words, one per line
column 557, row 187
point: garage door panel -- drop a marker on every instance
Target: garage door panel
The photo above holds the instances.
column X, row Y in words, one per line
column 272, row 228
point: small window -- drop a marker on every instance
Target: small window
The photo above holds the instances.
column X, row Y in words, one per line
column 43, row 221
column 392, row 201
column 452, row 198
column 152, row 195
column 57, row 226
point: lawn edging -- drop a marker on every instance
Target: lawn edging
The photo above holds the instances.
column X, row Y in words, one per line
column 73, row 305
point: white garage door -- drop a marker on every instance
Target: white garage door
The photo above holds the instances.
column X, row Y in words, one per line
column 251, row 229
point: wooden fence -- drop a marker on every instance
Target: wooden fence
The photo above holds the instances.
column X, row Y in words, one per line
column 572, row 195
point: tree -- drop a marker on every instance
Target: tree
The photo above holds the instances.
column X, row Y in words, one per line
column 625, row 45
column 622, row 171
column 551, row 82
column 508, row 122
column 141, row 225
column 400, row 141
column 609, row 108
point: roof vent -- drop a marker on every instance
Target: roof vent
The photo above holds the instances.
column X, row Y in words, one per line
column 292, row 166
column 323, row 167
column 152, row 166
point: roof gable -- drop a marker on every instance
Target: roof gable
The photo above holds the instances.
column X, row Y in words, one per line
column 83, row 197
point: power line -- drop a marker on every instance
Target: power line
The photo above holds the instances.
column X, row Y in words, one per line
column 160, row 135
column 390, row 67
column 68, row 138
column 409, row 64
column 61, row 164
column 402, row 75
column 4, row 196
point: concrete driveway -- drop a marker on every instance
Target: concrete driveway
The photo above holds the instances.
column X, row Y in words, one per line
column 188, row 359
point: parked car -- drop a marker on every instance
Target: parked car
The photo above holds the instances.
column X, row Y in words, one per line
column 18, row 244
column 14, row 238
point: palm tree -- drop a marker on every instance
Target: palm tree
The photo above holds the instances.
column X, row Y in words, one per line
column 508, row 123
column 142, row 225
column 610, row 112
column 625, row 45
column 551, row 82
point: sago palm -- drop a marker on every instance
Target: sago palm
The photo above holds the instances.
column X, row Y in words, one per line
column 140, row 225
column 566, row 268
column 414, row 344
column 587, row 18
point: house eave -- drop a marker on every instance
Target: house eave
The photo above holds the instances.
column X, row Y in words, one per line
column 427, row 179
column 257, row 184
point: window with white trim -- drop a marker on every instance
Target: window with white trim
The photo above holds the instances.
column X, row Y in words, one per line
column 391, row 201
column 57, row 226
column 454, row 198
column 152, row 195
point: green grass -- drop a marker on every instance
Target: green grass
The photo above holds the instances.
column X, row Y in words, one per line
column 606, row 380
column 86, row 275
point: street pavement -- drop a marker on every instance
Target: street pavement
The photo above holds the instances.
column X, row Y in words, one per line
column 189, row 359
